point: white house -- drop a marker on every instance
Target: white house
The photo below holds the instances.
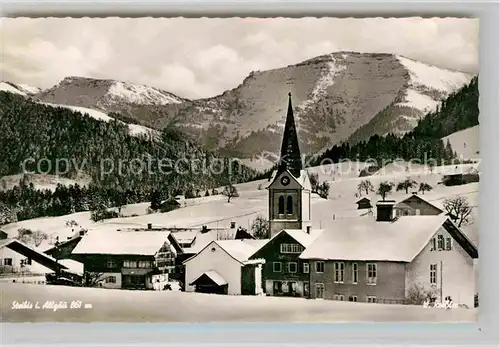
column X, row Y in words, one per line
column 223, row 267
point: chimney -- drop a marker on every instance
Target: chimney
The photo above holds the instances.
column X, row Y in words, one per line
column 308, row 229
column 233, row 224
column 414, row 193
column 385, row 210
column 150, row 226
column 204, row 229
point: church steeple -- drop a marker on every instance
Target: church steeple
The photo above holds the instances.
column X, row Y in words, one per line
column 290, row 153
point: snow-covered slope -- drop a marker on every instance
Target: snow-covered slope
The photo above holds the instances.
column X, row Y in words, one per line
column 134, row 129
column 6, row 87
column 19, row 88
column 214, row 211
column 465, row 142
column 427, row 81
column 139, row 94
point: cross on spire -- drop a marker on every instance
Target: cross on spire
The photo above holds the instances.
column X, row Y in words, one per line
column 290, row 157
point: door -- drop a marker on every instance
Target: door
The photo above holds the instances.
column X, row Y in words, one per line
column 320, row 290
column 306, row 289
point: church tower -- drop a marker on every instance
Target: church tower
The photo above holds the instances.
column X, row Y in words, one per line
column 290, row 188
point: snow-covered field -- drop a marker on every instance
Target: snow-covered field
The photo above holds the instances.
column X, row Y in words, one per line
column 465, row 142
column 173, row 306
column 215, row 211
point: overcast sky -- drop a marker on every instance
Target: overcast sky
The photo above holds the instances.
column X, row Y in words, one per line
column 203, row 57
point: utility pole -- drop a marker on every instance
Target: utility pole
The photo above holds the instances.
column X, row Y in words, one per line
column 441, row 280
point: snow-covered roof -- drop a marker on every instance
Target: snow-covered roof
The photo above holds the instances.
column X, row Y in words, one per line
column 185, row 236
column 305, row 239
column 122, row 243
column 201, row 241
column 403, row 202
column 215, row 276
column 73, row 266
column 242, row 249
column 366, row 239
column 468, row 168
column 31, row 252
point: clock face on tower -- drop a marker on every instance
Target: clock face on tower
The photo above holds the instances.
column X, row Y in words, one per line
column 285, row 180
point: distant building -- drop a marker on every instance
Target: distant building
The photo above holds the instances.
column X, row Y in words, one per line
column 364, row 203
column 127, row 260
column 415, row 205
column 382, row 261
column 224, row 267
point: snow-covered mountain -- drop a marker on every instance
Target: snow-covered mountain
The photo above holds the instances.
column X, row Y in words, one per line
column 30, row 91
column 342, row 96
column 19, row 88
column 105, row 95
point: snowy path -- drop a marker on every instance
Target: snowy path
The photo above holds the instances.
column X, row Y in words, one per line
column 166, row 306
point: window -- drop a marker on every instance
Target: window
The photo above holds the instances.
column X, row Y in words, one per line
column 371, row 299
column 338, row 297
column 417, row 211
column 277, row 287
column 111, row 279
column 398, row 212
column 292, row 267
column 371, row 273
column 320, row 266
column 7, row 262
column 276, row 266
column 281, row 205
column 353, row 298
column 433, row 244
column 440, row 242
column 339, row 272
column 289, row 248
column 306, row 267
column 354, row 273
column 289, row 205
column 448, row 243
column 433, row 274
column 111, row 263
column 406, row 212
column 320, row 290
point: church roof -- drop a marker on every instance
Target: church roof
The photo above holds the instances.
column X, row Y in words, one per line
column 290, row 157
column 302, row 179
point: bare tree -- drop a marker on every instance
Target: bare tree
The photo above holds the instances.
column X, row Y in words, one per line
column 384, row 189
column 260, row 228
column 406, row 185
column 366, row 186
column 230, row 191
column 459, row 209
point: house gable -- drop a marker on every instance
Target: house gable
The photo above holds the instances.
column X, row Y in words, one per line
column 271, row 249
column 277, row 185
column 415, row 203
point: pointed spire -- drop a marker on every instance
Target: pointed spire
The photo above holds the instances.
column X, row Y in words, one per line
column 290, row 153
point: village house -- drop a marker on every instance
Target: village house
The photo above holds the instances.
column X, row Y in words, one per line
column 16, row 257
column 224, row 267
column 383, row 261
column 284, row 274
column 364, row 203
column 415, row 205
column 126, row 259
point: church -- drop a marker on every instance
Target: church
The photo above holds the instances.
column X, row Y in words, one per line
column 284, row 274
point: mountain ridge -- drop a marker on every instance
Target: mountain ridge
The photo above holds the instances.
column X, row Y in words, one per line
column 338, row 97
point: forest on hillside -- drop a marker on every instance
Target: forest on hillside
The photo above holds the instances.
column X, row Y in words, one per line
column 457, row 112
column 124, row 169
